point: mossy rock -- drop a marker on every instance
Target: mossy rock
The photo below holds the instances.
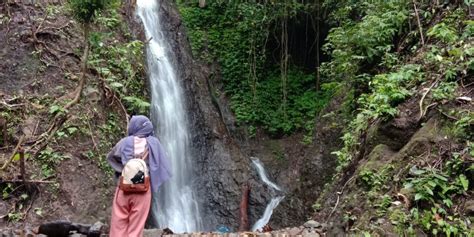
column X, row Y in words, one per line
column 431, row 133
column 377, row 135
column 378, row 157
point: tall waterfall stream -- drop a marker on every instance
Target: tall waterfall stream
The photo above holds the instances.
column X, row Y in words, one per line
column 175, row 206
column 267, row 214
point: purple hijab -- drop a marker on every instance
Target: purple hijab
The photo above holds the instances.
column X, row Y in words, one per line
column 141, row 126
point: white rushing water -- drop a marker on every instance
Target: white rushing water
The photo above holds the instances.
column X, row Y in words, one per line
column 267, row 214
column 175, row 206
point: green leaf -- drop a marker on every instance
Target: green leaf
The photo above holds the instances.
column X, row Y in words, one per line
column 16, row 157
column 428, row 190
column 54, row 109
column 39, row 211
column 440, row 177
column 418, row 196
column 71, row 130
column 116, row 85
column 464, row 182
column 448, row 202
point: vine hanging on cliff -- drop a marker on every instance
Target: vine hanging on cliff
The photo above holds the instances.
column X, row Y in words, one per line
column 284, row 57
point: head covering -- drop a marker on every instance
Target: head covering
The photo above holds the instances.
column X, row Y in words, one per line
column 141, row 126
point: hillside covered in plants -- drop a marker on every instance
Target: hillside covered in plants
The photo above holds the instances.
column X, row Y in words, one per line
column 392, row 78
column 361, row 111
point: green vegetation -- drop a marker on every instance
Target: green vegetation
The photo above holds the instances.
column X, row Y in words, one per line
column 436, row 192
column 280, row 96
column 119, row 65
column 120, row 68
column 386, row 63
column 380, row 54
column 387, row 90
column 48, row 160
column 86, row 10
column 58, row 127
column 375, row 180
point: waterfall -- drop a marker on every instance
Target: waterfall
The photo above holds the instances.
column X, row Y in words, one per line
column 267, row 214
column 175, row 206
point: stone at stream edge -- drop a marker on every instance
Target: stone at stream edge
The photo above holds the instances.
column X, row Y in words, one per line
column 469, row 207
column 311, row 235
column 152, row 232
column 312, row 224
column 295, row 231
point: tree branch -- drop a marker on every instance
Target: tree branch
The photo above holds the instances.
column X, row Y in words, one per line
column 419, row 23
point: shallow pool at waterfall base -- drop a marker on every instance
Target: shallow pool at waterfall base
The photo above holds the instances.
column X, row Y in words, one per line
column 223, row 229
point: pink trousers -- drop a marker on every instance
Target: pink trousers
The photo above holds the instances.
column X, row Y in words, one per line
column 129, row 213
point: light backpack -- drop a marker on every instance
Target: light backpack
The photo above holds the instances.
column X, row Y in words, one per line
column 135, row 176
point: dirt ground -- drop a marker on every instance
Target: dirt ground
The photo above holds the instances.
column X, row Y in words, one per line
column 38, row 65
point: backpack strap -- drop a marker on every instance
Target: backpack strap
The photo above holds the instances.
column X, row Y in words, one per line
column 145, row 154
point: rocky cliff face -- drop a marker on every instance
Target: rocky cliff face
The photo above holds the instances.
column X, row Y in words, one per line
column 219, row 165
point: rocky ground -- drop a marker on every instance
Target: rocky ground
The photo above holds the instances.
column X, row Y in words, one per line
column 308, row 229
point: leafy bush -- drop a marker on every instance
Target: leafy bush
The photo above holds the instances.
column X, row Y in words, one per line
column 375, row 180
column 431, row 185
column 445, row 91
column 48, row 160
column 366, row 41
column 120, row 65
column 86, row 10
column 235, row 36
column 388, row 90
column 443, row 32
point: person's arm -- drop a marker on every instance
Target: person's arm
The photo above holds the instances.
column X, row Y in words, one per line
column 114, row 158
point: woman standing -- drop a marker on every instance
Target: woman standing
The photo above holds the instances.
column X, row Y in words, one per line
column 130, row 209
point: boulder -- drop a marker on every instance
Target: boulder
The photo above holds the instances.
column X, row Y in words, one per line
column 312, row 224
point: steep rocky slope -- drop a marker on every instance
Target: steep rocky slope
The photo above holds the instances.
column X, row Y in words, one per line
column 40, row 64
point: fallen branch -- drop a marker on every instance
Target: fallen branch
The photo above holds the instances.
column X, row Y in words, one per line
column 449, row 116
column 43, row 142
column 468, row 85
column 27, row 181
column 11, row 106
column 335, row 206
column 419, row 23
column 7, row 6
column 92, row 137
column 123, row 109
column 18, row 145
column 338, row 195
column 422, row 111
column 59, row 119
column 25, row 214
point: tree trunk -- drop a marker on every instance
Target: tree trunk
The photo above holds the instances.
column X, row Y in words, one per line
column 82, row 79
column 3, row 126
column 244, row 204
column 202, row 3
column 318, row 30
column 284, row 59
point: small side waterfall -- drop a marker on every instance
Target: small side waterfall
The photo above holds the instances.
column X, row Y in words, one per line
column 175, row 206
column 275, row 200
